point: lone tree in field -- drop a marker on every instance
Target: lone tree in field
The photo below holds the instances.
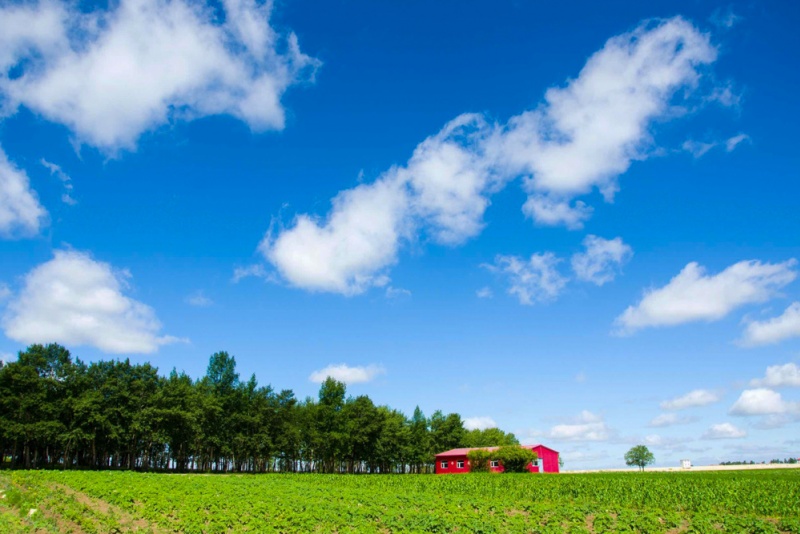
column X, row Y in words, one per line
column 639, row 456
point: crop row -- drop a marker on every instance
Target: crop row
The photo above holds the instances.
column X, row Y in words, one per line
column 750, row 501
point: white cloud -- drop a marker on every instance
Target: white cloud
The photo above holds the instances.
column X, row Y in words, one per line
column 694, row 296
column 479, row 423
column 531, row 281
column 349, row 375
column 762, row 401
column 256, row 271
column 587, row 427
column 548, row 211
column 698, row 397
column 733, row 142
column 724, row 18
column 59, row 173
column 484, row 293
column 724, row 431
column 670, row 419
column 21, row 215
column 602, row 260
column 787, row 375
column 697, row 149
column 588, row 133
column 583, row 136
column 111, row 75
column 349, row 251
column 775, row 330
column 5, row 292
column 199, row 299
column 75, row 300
column 397, row 292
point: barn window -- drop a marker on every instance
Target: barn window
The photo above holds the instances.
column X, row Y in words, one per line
column 495, row 463
column 460, row 464
column 444, row 465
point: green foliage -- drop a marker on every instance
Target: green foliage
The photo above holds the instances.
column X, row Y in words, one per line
column 489, row 437
column 515, row 459
column 56, row 412
column 111, row 501
column 479, row 460
column 640, row 456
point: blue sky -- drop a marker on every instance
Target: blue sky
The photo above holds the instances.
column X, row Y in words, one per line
column 575, row 222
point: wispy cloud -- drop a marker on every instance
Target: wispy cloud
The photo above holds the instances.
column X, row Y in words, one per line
column 347, row 374
column 695, row 296
column 693, row 399
column 533, row 280
column 602, row 260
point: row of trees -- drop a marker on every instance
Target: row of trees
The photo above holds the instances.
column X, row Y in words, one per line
column 60, row 413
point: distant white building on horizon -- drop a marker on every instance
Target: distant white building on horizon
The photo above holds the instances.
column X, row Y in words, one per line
column 686, row 464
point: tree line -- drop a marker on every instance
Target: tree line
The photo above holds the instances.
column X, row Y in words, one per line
column 60, row 413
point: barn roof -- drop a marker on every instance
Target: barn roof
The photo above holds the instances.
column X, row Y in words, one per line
column 464, row 451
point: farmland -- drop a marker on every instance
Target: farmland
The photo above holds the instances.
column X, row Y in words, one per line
column 86, row 501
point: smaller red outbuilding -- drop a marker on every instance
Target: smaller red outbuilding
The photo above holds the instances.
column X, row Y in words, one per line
column 455, row 460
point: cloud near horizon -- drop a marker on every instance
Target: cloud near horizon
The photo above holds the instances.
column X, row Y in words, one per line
column 578, row 139
column 76, row 300
column 347, row 374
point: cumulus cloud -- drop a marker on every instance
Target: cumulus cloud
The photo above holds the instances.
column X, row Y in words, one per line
column 586, row 427
column 582, row 136
column 347, row 374
column 5, row 292
column 442, row 189
column 111, row 75
column 479, row 423
column 787, row 375
column 588, row 133
column 762, row 401
column 534, row 280
column 549, row 211
column 775, row 330
column 698, row 397
column 602, row 260
column 670, row 419
column 21, row 215
column 695, row 296
column 724, row 431
column 76, row 300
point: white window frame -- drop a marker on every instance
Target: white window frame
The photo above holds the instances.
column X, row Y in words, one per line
column 460, row 464
column 495, row 463
column 444, row 465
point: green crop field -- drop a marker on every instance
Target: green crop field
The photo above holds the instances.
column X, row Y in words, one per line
column 85, row 501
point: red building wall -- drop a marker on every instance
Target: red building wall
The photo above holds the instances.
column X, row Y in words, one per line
column 549, row 459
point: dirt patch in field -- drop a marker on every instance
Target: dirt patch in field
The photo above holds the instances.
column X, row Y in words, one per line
column 127, row 522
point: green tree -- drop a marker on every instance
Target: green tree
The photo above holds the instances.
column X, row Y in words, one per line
column 479, row 460
column 515, row 459
column 489, row 437
column 639, row 456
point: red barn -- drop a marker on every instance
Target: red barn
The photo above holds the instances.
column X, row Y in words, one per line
column 455, row 460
